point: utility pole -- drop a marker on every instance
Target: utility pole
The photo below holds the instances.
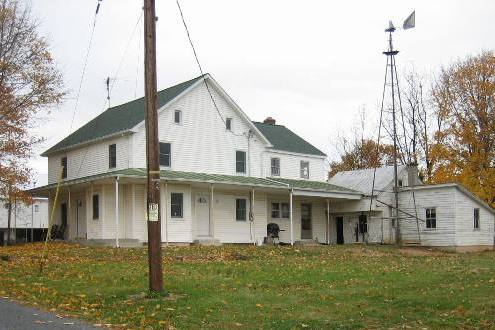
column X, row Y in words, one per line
column 152, row 157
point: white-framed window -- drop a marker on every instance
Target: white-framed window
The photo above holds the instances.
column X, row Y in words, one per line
column 476, row 218
column 176, row 205
column 240, row 209
column 178, row 116
column 431, row 218
column 228, row 124
column 275, row 166
column 304, row 169
column 165, row 154
column 96, row 206
column 240, row 161
column 112, row 156
column 280, row 210
column 63, row 163
column 36, row 208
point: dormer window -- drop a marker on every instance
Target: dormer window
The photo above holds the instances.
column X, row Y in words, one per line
column 228, row 124
column 178, row 117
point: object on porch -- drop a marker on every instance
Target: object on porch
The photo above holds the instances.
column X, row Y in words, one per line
column 273, row 230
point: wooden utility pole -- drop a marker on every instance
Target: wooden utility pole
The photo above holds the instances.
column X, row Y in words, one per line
column 152, row 156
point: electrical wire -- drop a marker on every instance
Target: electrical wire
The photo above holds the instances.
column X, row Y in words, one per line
column 90, row 43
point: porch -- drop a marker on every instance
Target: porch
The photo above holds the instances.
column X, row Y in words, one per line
column 111, row 208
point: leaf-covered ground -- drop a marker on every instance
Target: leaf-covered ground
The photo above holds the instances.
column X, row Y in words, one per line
column 246, row 287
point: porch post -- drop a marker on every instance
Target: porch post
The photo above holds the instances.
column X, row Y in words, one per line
column 212, row 202
column 117, row 211
column 165, row 206
column 291, row 220
column 328, row 222
column 68, row 214
column 251, row 219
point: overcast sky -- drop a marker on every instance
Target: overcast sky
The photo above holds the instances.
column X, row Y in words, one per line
column 309, row 64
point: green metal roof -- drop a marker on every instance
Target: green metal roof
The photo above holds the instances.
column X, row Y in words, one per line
column 312, row 185
column 207, row 178
column 117, row 119
column 284, row 139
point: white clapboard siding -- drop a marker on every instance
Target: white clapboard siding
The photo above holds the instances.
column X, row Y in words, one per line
column 290, row 165
column 95, row 226
column 89, row 160
column 443, row 199
column 466, row 234
column 177, row 229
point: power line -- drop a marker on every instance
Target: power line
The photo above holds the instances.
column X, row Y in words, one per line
column 90, row 43
column 201, row 69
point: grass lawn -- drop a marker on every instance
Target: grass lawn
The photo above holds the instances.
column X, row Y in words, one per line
column 245, row 287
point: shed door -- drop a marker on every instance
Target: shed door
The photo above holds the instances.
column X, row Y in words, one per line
column 306, row 223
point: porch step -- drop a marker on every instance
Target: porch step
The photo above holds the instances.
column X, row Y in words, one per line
column 207, row 241
column 411, row 243
column 124, row 243
column 307, row 242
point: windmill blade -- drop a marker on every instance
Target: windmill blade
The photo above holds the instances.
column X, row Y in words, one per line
column 410, row 22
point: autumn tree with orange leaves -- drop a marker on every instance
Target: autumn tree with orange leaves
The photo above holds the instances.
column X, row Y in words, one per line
column 464, row 148
column 29, row 84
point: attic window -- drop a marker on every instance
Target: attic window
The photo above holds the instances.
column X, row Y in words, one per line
column 476, row 218
column 178, row 117
column 228, row 124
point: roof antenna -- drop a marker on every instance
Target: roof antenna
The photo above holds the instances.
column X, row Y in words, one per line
column 108, row 90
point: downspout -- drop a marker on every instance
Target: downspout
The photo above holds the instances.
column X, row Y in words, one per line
column 291, row 219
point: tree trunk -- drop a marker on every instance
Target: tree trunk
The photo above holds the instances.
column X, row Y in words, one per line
column 9, row 217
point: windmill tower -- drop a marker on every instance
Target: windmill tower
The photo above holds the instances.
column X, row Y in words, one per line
column 391, row 116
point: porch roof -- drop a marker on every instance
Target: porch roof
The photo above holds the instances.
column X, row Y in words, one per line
column 180, row 176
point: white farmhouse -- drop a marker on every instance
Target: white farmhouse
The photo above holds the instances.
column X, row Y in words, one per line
column 28, row 222
column 224, row 178
column 438, row 215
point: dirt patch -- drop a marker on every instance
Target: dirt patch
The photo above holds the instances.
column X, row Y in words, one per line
column 420, row 251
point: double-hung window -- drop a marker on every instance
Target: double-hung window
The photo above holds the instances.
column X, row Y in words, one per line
column 240, row 162
column 240, row 209
column 112, row 156
column 476, row 218
column 275, row 165
column 63, row 163
column 165, row 154
column 431, row 218
column 304, row 170
column 176, row 205
column 280, row 210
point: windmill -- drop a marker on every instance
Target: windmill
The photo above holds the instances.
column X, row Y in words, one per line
column 392, row 106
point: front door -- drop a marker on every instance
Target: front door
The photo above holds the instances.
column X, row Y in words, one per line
column 203, row 214
column 340, row 229
column 80, row 219
column 306, row 225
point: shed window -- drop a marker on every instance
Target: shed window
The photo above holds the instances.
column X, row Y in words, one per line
column 240, row 162
column 178, row 117
column 476, row 218
column 96, row 206
column 63, row 163
column 112, row 156
column 431, row 218
column 275, row 164
column 176, row 205
column 36, row 208
column 165, row 154
column 228, row 124
column 240, row 209
column 304, row 170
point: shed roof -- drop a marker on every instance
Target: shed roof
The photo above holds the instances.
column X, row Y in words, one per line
column 362, row 180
